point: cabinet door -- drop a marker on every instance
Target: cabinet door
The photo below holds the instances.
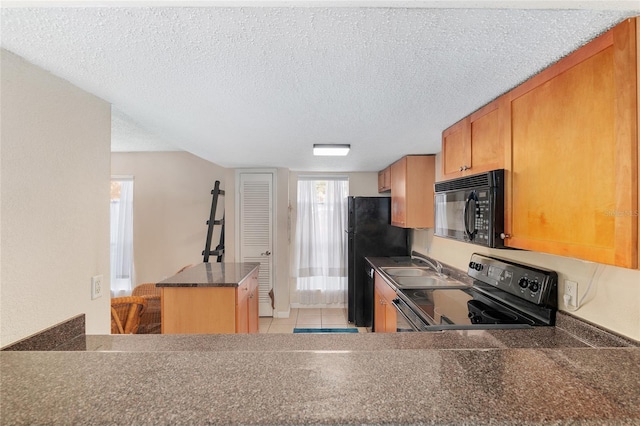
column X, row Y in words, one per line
column 487, row 140
column 412, row 179
column 419, row 208
column 574, row 167
column 384, row 313
column 455, row 149
column 399, row 192
column 475, row 144
column 384, row 180
column 378, row 310
column 242, row 307
column 390, row 317
column 253, row 304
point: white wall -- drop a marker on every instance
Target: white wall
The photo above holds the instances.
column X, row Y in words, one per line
column 171, row 205
column 54, row 201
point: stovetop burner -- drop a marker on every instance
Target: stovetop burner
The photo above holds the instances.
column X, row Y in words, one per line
column 479, row 313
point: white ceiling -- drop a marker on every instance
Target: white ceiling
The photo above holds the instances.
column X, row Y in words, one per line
column 256, row 84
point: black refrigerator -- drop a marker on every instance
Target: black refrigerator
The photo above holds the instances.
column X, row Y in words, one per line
column 370, row 234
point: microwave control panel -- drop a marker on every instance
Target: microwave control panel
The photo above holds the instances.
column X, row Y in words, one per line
column 483, row 231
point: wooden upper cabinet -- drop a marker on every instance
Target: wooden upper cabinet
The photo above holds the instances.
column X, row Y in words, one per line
column 573, row 186
column 476, row 143
column 456, row 154
column 384, row 180
column 412, row 179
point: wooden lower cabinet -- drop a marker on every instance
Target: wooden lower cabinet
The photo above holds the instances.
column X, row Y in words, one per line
column 384, row 313
column 211, row 310
column 242, row 308
column 253, row 304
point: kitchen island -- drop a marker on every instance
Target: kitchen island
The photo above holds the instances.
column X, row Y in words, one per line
column 568, row 374
column 211, row 298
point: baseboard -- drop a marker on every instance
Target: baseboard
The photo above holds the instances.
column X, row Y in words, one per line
column 282, row 314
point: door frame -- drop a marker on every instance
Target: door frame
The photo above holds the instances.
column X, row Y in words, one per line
column 274, row 221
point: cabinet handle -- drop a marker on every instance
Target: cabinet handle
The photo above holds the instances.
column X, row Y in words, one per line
column 504, row 236
column 461, row 168
column 382, row 302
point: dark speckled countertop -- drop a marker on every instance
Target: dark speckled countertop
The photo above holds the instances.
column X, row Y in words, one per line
column 244, row 384
column 548, row 375
column 573, row 374
column 210, row 275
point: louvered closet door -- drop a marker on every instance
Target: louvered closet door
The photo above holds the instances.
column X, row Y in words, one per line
column 256, row 230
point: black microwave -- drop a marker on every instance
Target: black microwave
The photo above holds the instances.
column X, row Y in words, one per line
column 471, row 209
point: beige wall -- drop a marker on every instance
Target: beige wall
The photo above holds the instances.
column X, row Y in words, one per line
column 171, row 204
column 54, row 201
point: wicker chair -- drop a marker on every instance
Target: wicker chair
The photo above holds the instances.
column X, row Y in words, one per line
column 126, row 313
column 151, row 321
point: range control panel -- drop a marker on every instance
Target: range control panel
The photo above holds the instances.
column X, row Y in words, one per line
column 536, row 285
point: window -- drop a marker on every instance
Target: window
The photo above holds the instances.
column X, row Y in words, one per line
column 321, row 241
column 121, row 249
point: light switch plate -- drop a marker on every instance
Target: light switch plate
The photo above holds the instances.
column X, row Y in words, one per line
column 96, row 286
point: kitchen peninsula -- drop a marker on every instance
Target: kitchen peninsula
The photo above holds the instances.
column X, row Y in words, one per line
column 211, row 298
column 569, row 374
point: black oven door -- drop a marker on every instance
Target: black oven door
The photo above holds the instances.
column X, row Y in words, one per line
column 406, row 318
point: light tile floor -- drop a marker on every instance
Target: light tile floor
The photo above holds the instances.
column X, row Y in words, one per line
column 308, row 318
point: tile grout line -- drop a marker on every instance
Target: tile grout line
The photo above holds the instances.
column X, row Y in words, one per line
column 339, row 313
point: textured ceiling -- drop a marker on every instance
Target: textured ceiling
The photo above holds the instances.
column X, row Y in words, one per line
column 258, row 86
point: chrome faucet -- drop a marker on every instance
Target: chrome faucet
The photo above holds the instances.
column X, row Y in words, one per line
column 437, row 266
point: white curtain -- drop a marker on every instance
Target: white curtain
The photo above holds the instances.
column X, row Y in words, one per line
column 122, row 238
column 320, row 264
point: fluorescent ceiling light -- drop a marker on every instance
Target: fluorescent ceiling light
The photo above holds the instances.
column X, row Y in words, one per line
column 320, row 149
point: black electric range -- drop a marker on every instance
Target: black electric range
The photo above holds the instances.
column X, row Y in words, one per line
column 504, row 294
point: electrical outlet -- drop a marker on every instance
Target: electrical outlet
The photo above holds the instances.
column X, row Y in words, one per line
column 571, row 293
column 96, row 286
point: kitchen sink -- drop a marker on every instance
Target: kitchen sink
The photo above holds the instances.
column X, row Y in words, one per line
column 426, row 282
column 408, row 272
